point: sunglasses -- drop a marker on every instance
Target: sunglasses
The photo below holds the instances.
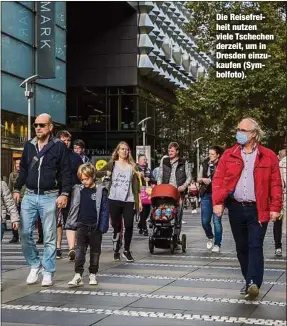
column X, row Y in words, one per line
column 41, row 125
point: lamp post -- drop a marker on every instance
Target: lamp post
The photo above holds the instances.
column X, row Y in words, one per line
column 28, row 84
column 197, row 154
column 143, row 124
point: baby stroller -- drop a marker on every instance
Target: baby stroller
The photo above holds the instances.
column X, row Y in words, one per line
column 163, row 220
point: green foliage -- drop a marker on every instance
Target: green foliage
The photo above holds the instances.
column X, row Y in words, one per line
column 214, row 106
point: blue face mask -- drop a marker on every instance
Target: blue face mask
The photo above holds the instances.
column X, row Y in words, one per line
column 242, row 138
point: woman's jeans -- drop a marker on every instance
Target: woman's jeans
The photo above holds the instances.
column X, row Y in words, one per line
column 44, row 206
column 206, row 215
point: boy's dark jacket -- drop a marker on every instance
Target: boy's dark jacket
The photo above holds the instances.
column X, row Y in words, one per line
column 55, row 168
column 101, row 205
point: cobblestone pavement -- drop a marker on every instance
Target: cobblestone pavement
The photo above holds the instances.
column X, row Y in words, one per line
column 193, row 288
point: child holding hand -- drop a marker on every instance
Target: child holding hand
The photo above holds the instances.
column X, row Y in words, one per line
column 89, row 214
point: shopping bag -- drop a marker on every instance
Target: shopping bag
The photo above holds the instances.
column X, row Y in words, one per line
column 145, row 192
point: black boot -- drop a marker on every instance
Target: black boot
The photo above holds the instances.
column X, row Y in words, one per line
column 15, row 238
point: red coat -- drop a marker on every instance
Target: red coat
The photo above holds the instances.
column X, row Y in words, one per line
column 267, row 180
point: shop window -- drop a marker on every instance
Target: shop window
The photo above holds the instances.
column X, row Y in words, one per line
column 17, row 21
column 12, row 95
column 114, row 112
column 128, row 113
column 12, row 128
column 12, row 62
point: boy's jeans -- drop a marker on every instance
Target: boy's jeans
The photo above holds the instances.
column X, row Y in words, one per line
column 44, row 206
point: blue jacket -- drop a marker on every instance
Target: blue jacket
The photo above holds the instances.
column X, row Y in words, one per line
column 51, row 172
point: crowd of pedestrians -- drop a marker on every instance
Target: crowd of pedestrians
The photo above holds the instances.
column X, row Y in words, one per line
column 62, row 188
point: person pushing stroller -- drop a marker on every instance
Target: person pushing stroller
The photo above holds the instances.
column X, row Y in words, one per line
column 175, row 171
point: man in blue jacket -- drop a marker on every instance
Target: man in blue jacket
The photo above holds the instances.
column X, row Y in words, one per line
column 45, row 164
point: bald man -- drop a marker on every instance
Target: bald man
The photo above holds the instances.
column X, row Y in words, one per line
column 247, row 180
column 44, row 169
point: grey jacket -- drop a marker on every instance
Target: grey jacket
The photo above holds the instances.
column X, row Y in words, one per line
column 8, row 205
column 72, row 219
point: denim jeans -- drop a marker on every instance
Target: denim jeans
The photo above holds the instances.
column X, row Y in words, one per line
column 206, row 216
column 249, row 236
column 44, row 206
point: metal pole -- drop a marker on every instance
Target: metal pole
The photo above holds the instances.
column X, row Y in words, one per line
column 144, row 137
column 29, row 118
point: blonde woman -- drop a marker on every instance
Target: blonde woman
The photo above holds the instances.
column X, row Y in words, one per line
column 124, row 196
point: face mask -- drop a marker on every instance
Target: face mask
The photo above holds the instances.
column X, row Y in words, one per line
column 241, row 138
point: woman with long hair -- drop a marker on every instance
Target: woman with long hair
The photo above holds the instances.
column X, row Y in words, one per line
column 206, row 174
column 124, row 196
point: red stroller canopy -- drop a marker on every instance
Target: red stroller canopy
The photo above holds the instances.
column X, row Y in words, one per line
column 165, row 190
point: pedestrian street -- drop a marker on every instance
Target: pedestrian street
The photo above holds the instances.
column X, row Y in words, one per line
column 193, row 288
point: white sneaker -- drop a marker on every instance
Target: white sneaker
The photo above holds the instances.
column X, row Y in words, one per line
column 216, row 249
column 209, row 244
column 194, row 211
column 47, row 280
column 93, row 279
column 278, row 252
column 77, row 280
column 33, row 275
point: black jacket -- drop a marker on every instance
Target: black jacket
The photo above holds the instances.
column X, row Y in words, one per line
column 55, row 168
column 206, row 163
column 180, row 174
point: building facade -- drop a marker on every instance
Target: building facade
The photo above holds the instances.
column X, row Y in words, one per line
column 125, row 66
column 116, row 64
column 19, row 52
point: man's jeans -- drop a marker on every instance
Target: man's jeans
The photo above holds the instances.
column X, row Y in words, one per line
column 44, row 206
column 206, row 215
column 249, row 236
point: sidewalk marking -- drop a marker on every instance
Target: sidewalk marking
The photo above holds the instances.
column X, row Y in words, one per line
column 149, row 314
column 212, row 256
column 189, row 279
column 164, row 296
column 198, row 266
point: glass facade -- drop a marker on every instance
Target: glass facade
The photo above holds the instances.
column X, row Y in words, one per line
column 104, row 116
column 18, row 63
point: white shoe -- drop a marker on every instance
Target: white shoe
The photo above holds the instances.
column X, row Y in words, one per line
column 93, row 279
column 47, row 280
column 194, row 211
column 216, row 249
column 278, row 252
column 33, row 275
column 77, row 280
column 209, row 244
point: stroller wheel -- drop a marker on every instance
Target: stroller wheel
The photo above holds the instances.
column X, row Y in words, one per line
column 183, row 243
column 151, row 246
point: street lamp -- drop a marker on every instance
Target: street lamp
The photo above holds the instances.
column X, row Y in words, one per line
column 197, row 153
column 143, row 124
column 28, row 84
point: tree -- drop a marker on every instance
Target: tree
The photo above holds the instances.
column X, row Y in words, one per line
column 215, row 105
